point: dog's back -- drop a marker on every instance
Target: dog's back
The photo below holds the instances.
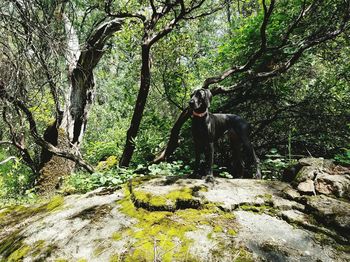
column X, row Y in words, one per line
column 225, row 122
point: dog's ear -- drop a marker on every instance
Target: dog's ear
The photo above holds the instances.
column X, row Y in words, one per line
column 208, row 97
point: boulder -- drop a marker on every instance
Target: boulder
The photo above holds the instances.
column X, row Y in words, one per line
column 163, row 219
column 319, row 162
column 337, row 185
column 332, row 212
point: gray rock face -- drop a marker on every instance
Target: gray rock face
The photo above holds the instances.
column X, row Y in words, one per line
column 230, row 220
column 331, row 211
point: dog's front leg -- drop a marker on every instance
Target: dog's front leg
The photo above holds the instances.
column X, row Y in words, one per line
column 196, row 168
column 209, row 159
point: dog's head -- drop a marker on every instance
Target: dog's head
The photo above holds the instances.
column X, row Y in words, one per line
column 200, row 100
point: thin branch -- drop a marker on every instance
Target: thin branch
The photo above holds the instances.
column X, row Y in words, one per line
column 18, row 142
column 253, row 58
column 8, row 159
column 6, row 143
column 108, row 11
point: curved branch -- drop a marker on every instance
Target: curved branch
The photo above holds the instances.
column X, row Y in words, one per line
column 40, row 141
column 238, row 69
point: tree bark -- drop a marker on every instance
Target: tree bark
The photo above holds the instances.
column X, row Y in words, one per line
column 69, row 129
column 173, row 142
column 139, row 106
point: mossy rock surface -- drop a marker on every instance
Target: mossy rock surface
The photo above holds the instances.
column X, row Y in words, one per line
column 170, row 219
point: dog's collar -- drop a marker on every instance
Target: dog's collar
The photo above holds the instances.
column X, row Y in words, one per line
column 199, row 114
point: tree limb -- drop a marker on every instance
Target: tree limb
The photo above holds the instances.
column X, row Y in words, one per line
column 8, row 159
column 253, row 58
column 40, row 141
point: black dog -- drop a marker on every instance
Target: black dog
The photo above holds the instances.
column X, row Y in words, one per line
column 207, row 128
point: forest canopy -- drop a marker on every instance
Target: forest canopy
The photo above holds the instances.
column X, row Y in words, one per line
column 97, row 90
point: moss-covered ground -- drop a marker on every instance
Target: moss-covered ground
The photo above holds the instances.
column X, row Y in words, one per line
column 12, row 247
column 163, row 224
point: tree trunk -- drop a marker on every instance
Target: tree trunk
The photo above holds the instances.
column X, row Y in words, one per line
column 173, row 142
column 139, row 107
column 69, row 129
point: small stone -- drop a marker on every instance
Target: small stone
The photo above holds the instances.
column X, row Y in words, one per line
column 291, row 193
column 307, row 187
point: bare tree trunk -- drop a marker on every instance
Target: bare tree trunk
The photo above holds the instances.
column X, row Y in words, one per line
column 69, row 130
column 139, row 106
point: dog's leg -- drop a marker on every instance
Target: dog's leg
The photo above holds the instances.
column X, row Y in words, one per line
column 209, row 159
column 196, row 169
column 237, row 162
column 251, row 154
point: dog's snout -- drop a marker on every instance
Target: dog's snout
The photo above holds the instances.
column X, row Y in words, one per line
column 191, row 102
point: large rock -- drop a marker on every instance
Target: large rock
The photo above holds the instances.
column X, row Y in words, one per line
column 318, row 162
column 337, row 185
column 321, row 176
column 165, row 219
column 333, row 212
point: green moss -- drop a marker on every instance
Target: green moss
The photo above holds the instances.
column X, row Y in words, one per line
column 322, row 239
column 55, row 203
column 218, row 229
column 257, row 209
column 117, row 236
column 19, row 254
column 176, row 199
column 266, row 197
column 232, row 232
column 165, row 231
column 244, row 256
column 61, row 260
column 82, row 260
column 343, row 248
column 11, row 244
column 38, row 247
column 114, row 258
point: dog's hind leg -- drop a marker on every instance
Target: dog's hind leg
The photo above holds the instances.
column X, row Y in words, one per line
column 237, row 162
column 252, row 156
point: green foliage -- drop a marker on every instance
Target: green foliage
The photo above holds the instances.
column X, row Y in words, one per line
column 305, row 109
column 114, row 176
column 274, row 164
column 82, row 182
column 15, row 180
column 343, row 158
column 176, row 168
